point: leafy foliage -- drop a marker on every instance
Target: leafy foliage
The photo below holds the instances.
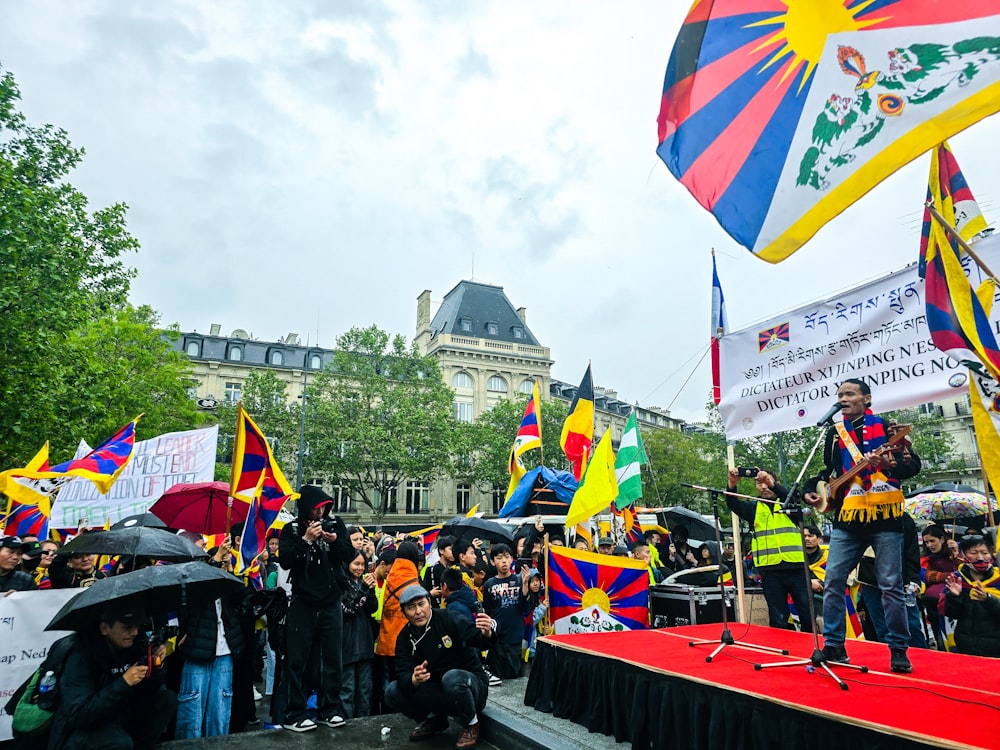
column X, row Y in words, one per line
column 78, row 361
column 382, row 413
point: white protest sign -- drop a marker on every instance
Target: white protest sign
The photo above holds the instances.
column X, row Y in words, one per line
column 157, row 465
column 783, row 373
column 24, row 642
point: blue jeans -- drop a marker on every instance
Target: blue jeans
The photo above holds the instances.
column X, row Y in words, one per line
column 205, row 698
column 846, row 551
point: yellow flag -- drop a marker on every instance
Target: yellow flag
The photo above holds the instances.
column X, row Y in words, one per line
column 472, row 511
column 599, row 486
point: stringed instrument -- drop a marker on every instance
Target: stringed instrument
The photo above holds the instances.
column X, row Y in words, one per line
column 831, row 494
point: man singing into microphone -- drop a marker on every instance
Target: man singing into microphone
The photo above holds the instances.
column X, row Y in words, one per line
column 871, row 514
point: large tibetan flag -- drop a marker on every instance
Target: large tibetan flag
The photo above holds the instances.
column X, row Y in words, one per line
column 631, row 457
column 779, row 114
column 719, row 326
column 578, row 429
column 529, row 435
column 261, row 516
column 598, row 488
column 591, row 592
column 254, row 464
column 101, row 466
column 958, row 321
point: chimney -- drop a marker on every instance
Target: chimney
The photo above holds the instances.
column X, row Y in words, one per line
column 522, row 312
column 423, row 335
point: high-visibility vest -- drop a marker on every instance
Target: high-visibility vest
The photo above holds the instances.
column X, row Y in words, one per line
column 776, row 539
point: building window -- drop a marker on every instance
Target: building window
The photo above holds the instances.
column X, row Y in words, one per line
column 527, row 386
column 518, row 332
column 463, row 495
column 463, row 411
column 235, row 354
column 315, row 362
column 234, row 392
column 496, row 384
column 461, row 380
column 492, row 328
column 499, row 498
column 465, row 324
column 391, row 498
column 193, row 349
column 343, row 501
column 417, row 496
column 277, row 358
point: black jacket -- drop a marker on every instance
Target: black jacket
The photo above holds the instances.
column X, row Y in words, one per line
column 978, row 630
column 450, row 642
column 317, row 569
column 17, row 580
column 463, row 602
column 199, row 629
column 359, row 603
column 92, row 691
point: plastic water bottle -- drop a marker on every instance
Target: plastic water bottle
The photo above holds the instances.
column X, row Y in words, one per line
column 46, row 686
column 910, row 594
column 386, row 731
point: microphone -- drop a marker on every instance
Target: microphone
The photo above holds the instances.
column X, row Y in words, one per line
column 828, row 417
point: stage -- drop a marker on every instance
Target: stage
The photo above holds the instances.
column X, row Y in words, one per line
column 650, row 688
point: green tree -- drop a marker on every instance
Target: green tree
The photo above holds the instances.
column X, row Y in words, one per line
column 380, row 414
column 677, row 458
column 264, row 396
column 486, row 444
column 78, row 360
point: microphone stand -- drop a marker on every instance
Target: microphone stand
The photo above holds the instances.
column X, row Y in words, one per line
column 726, row 639
column 818, row 659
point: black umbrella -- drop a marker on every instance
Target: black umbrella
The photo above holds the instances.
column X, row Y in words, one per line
column 137, row 541
column 158, row 589
column 142, row 519
column 468, row 528
column 697, row 526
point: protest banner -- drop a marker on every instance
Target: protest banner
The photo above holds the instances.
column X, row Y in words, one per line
column 783, row 373
column 24, row 642
column 158, row 464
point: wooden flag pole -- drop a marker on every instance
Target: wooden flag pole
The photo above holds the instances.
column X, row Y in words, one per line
column 538, row 416
column 953, row 233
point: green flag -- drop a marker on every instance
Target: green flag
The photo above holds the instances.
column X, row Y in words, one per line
column 631, row 455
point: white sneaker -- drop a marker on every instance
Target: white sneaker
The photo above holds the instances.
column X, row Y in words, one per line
column 332, row 721
column 302, row 725
column 494, row 681
column 256, row 694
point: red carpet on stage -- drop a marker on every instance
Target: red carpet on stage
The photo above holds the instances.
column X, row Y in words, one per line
column 948, row 701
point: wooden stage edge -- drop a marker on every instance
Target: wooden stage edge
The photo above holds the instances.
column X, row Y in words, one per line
column 800, row 646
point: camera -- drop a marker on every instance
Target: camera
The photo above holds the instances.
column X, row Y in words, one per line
column 329, row 525
column 162, row 634
column 479, row 608
column 747, row 471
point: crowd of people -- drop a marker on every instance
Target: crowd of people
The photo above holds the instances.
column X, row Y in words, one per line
column 339, row 624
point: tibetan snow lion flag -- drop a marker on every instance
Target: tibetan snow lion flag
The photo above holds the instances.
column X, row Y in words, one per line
column 779, row 114
column 596, row 593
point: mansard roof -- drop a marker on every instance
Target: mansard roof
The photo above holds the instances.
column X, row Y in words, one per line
column 471, row 307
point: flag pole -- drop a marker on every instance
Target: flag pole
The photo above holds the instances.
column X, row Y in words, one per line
column 232, row 467
column 738, row 547
column 953, row 233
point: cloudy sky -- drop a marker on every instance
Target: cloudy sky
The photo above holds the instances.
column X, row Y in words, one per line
column 311, row 166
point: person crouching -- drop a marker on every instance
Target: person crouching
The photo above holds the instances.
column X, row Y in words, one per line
column 439, row 673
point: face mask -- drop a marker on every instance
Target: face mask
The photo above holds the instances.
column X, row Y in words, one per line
column 982, row 566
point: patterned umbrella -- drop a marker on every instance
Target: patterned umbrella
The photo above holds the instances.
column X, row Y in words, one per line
column 939, row 506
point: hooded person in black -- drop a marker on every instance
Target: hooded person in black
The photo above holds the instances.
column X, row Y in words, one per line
column 314, row 549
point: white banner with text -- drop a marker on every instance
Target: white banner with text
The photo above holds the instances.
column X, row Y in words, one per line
column 158, row 464
column 783, row 373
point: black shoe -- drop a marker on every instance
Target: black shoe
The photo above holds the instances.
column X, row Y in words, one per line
column 428, row 728
column 836, row 653
column 899, row 662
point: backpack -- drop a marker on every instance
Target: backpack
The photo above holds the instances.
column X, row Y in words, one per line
column 30, row 718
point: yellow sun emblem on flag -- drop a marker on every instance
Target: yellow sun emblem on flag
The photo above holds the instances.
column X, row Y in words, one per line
column 804, row 29
column 594, row 597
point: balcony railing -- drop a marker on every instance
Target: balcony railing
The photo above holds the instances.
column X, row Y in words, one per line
column 445, row 340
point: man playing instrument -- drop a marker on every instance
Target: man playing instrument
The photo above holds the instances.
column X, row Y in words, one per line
column 871, row 514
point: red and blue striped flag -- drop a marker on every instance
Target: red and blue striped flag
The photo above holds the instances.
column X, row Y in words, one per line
column 959, row 323
column 618, row 586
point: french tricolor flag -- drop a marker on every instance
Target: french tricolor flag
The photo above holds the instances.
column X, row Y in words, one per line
column 719, row 326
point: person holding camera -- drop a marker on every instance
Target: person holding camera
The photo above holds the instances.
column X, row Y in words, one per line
column 439, row 671
column 776, row 547
column 314, row 549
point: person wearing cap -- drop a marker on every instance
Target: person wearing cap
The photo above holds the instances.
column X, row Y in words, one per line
column 111, row 692
column 11, row 577
column 605, row 545
column 316, row 559
column 439, row 673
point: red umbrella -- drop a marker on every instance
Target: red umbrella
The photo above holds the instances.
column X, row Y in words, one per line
column 200, row 507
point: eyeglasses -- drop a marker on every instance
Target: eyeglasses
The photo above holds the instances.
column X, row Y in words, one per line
column 48, row 553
